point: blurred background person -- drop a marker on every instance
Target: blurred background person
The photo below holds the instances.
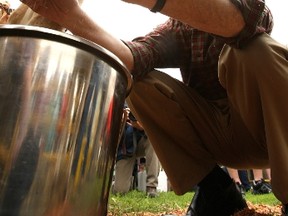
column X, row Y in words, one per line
column 240, row 177
column 256, row 180
column 260, row 183
column 233, row 173
column 134, row 145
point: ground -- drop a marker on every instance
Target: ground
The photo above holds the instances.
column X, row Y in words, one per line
column 252, row 210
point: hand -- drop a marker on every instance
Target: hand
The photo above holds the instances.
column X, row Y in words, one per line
column 125, row 114
column 4, row 7
column 136, row 124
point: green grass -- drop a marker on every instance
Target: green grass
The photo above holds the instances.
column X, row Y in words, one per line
column 136, row 201
column 267, row 199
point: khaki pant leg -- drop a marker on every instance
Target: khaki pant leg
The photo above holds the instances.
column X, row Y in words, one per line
column 152, row 162
column 123, row 175
column 256, row 79
column 181, row 126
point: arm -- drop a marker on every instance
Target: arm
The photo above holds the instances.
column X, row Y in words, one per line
column 137, row 125
column 220, row 17
column 68, row 14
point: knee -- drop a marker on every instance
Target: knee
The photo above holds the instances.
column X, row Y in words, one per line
column 258, row 59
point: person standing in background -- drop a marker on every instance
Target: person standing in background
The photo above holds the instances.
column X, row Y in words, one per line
column 135, row 144
column 235, row 175
column 259, row 184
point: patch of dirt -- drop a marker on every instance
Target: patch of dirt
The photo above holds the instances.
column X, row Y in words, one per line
column 252, row 210
column 260, row 210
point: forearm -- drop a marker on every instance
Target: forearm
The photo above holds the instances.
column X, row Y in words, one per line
column 220, row 17
column 82, row 25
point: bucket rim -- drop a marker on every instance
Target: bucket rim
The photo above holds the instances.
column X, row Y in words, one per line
column 73, row 40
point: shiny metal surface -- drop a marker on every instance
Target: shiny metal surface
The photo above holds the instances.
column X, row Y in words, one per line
column 61, row 101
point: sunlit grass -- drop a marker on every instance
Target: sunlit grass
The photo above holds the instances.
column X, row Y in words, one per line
column 136, row 201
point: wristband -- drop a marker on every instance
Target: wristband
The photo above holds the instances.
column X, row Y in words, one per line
column 158, row 6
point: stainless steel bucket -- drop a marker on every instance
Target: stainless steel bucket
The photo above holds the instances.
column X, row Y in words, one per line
column 61, row 102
